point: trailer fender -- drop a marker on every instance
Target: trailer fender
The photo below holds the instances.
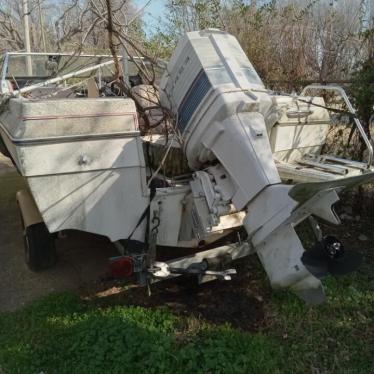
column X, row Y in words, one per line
column 29, row 211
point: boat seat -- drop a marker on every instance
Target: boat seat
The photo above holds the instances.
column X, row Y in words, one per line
column 147, row 98
column 299, row 130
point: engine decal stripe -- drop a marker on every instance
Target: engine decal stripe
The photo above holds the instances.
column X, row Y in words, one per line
column 195, row 94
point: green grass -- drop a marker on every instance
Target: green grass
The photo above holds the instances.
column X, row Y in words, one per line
column 337, row 336
column 60, row 334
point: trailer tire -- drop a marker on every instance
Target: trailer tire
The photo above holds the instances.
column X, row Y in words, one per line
column 40, row 249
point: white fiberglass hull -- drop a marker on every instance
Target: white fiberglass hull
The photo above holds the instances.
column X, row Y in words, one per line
column 83, row 162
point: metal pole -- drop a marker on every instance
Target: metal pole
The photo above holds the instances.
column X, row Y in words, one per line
column 41, row 21
column 25, row 8
column 125, row 61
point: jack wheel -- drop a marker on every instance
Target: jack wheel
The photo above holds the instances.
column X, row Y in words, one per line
column 40, row 249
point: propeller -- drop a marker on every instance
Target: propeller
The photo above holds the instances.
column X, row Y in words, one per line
column 329, row 256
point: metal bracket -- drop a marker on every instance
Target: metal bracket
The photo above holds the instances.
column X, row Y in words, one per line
column 316, row 228
column 198, row 263
column 163, row 270
column 222, row 275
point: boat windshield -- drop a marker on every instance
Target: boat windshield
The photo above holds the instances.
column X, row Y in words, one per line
column 20, row 69
column 43, row 66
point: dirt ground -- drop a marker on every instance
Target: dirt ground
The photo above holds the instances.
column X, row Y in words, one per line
column 82, row 257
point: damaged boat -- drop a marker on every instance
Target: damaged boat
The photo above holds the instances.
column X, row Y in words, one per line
column 88, row 167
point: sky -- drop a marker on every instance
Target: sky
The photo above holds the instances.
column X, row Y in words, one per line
column 152, row 13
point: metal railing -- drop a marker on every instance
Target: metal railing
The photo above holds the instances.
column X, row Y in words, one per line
column 351, row 110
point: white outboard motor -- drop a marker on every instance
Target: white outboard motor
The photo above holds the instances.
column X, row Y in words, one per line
column 220, row 103
column 221, row 108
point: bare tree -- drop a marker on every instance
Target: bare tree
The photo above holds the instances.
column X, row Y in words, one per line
column 288, row 40
column 10, row 25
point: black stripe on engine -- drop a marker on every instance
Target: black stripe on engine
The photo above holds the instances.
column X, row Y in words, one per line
column 195, row 94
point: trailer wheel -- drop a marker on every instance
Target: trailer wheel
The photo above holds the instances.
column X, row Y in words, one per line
column 40, row 250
